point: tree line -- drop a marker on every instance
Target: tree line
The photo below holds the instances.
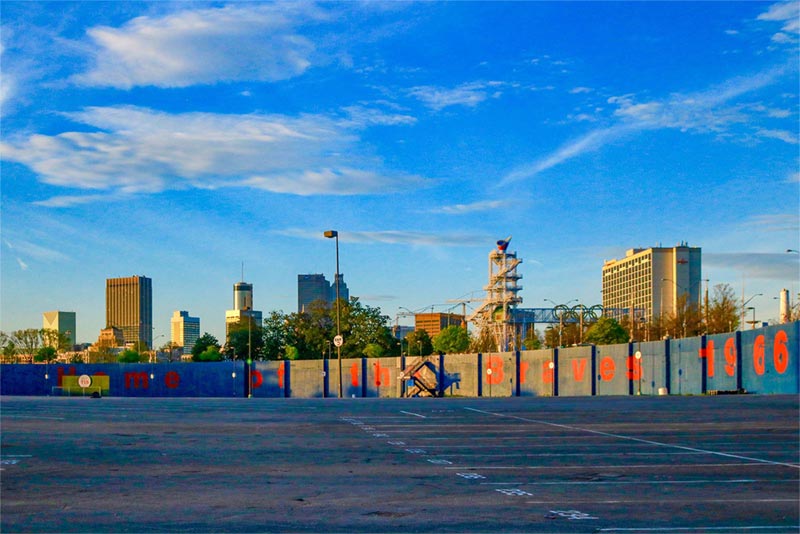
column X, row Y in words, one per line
column 309, row 335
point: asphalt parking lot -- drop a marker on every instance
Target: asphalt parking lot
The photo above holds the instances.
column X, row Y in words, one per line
column 588, row 464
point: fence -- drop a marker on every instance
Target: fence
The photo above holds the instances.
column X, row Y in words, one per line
column 763, row 361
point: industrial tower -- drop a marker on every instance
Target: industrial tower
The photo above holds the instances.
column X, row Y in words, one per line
column 495, row 313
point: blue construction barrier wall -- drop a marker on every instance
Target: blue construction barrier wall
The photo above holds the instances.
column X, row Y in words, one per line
column 764, row 361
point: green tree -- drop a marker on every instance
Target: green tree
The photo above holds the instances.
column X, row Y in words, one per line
column 419, row 343
column 46, row 354
column 129, row 356
column 245, row 338
column 484, row 341
column 274, row 334
column 202, row 344
column 373, row 350
column 723, row 311
column 452, row 340
column 532, row 341
column 28, row 342
column 211, row 354
column 606, row 331
column 686, row 320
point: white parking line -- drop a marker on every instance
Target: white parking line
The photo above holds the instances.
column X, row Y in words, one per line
column 631, row 438
column 698, row 529
column 414, row 414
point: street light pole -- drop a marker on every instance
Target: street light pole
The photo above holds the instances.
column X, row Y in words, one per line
column 335, row 234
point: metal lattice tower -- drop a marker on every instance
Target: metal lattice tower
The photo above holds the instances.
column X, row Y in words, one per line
column 495, row 313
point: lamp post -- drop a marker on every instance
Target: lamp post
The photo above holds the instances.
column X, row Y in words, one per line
column 753, row 322
column 335, row 235
column 744, row 304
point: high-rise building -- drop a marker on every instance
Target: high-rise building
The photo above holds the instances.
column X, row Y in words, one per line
column 433, row 323
column 314, row 287
column 129, row 307
column 651, row 281
column 63, row 322
column 242, row 307
column 185, row 330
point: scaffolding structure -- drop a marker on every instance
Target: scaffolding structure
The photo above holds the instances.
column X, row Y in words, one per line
column 496, row 313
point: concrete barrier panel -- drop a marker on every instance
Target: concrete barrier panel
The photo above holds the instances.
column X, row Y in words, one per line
column 535, row 375
column 575, row 371
column 614, row 370
column 722, row 367
column 654, row 366
column 382, row 374
column 461, row 375
column 307, row 380
column 686, row 366
column 498, row 372
column 270, row 379
column 770, row 359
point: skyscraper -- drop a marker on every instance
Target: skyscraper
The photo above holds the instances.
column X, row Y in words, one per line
column 185, row 330
column 61, row 321
column 314, row 287
column 652, row 281
column 242, row 307
column 129, row 307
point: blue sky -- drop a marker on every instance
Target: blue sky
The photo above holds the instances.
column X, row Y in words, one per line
column 178, row 140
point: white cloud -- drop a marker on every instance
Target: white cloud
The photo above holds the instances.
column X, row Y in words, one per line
column 203, row 46
column 580, row 90
column 461, row 209
column 700, row 112
column 135, row 149
column 396, row 237
column 789, row 14
column 782, row 135
column 468, row 94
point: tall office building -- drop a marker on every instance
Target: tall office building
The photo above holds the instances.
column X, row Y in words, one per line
column 651, row 281
column 242, row 307
column 63, row 322
column 129, row 307
column 185, row 330
column 433, row 323
column 314, row 287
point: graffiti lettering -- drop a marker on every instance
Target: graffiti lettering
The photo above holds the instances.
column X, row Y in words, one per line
column 634, row 371
column 523, row 371
column 578, row 369
column 381, row 375
column 780, row 352
column 607, row 369
column 137, row 380
column 730, row 356
column 172, row 380
column 256, row 379
column 708, row 354
column 354, row 375
column 496, row 365
column 758, row 355
column 547, row 373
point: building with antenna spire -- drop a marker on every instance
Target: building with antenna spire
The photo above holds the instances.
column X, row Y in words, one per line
column 242, row 307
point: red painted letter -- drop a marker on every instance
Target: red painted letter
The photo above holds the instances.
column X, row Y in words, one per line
column 496, row 365
column 172, row 380
column 523, row 371
column 547, row 373
column 256, row 379
column 780, row 353
column 578, row 369
column 381, row 375
column 607, row 369
column 758, row 355
column 354, row 374
column 730, row 356
column 708, row 354
column 281, row 372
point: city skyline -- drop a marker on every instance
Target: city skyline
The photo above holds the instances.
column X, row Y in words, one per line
column 181, row 139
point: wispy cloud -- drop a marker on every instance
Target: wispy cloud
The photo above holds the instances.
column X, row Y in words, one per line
column 396, row 237
column 772, row 266
column 700, row 112
column 134, row 150
column 464, row 209
column 789, row 14
column 203, row 46
column 468, row 94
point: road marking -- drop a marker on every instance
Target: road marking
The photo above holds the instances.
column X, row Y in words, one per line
column 696, row 529
column 572, row 515
column 513, row 491
column 33, row 417
column 631, row 438
column 693, row 500
column 414, row 414
column 595, row 467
